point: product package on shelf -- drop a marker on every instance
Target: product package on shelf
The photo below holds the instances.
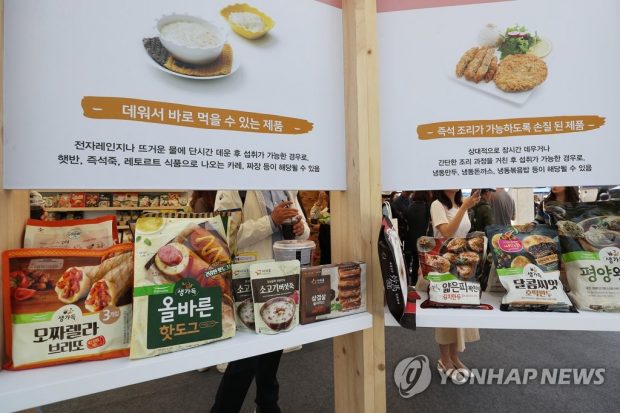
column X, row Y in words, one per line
column 332, row 291
column 164, row 200
column 527, row 258
column 590, row 238
column 173, row 199
column 91, row 200
column 154, row 200
column 242, row 294
column 400, row 300
column 183, row 284
column 95, row 233
column 183, row 199
column 77, row 200
column 65, row 305
column 105, row 200
column 275, row 290
column 144, row 201
column 452, row 268
column 124, row 200
column 64, row 201
column 50, row 201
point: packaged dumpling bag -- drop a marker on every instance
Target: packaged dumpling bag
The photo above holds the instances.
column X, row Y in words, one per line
column 590, row 238
column 182, row 288
column 453, row 267
column 527, row 258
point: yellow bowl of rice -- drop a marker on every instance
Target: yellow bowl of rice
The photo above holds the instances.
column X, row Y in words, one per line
column 247, row 21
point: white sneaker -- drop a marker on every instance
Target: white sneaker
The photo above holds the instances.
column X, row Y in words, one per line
column 202, row 370
column 221, row 367
column 291, row 349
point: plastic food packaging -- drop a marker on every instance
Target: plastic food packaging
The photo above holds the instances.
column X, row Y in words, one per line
column 400, row 301
column 183, row 284
column 527, row 258
column 97, row 233
column 453, row 267
column 590, row 238
column 242, row 294
column 65, row 305
column 275, row 290
column 332, row 291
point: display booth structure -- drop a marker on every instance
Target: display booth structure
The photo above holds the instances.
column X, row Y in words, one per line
column 359, row 367
column 358, row 340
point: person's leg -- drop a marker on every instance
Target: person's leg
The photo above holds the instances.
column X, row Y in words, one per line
column 454, row 356
column 445, row 355
column 234, row 385
column 267, row 387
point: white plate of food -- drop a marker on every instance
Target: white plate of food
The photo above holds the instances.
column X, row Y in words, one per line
column 157, row 54
column 507, row 65
column 234, row 67
column 491, row 88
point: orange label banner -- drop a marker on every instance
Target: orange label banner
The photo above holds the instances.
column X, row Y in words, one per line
column 174, row 114
column 502, row 128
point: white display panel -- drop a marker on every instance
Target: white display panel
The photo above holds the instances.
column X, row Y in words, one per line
column 562, row 132
column 76, row 75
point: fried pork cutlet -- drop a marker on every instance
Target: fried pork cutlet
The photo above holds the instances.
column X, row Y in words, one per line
column 484, row 67
column 474, row 65
column 521, row 72
column 464, row 61
column 492, row 70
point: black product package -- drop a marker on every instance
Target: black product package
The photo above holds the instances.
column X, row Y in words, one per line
column 393, row 269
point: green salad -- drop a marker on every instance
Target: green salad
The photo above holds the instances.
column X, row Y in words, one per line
column 517, row 40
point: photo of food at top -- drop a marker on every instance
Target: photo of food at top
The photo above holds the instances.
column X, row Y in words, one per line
column 512, row 59
column 198, row 48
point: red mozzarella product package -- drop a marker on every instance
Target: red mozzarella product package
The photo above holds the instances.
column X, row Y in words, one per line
column 65, row 305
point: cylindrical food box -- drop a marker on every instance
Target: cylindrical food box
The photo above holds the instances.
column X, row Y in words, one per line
column 294, row 250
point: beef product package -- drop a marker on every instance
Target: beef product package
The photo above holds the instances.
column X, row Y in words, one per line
column 95, row 233
column 453, row 267
column 394, row 273
column 65, row 305
column 242, row 294
column 590, row 238
column 527, row 259
column 275, row 290
column 182, row 288
column 332, row 291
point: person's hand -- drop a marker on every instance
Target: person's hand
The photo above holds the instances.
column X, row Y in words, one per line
column 282, row 212
column 298, row 227
column 472, row 200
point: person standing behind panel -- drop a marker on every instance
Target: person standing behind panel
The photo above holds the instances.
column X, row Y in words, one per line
column 503, row 207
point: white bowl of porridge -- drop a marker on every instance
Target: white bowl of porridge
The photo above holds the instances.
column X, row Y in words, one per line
column 278, row 313
column 191, row 39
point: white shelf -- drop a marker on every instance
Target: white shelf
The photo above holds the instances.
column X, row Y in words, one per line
column 512, row 320
column 26, row 389
column 115, row 209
